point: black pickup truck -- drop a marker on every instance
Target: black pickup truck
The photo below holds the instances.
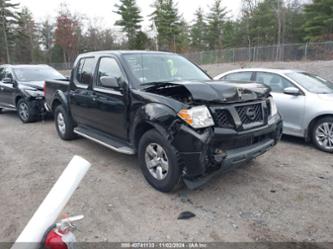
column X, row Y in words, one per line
column 160, row 106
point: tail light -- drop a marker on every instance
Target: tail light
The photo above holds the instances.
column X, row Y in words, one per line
column 44, row 89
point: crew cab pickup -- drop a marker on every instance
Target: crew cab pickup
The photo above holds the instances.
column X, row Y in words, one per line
column 160, row 106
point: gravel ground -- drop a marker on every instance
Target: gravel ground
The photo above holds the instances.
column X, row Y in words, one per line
column 285, row 195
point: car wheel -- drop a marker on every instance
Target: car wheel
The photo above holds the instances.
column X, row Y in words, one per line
column 159, row 162
column 322, row 134
column 25, row 111
column 64, row 124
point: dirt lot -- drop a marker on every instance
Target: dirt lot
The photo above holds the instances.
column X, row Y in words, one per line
column 286, row 195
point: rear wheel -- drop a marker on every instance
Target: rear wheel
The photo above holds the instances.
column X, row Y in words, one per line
column 64, row 124
column 25, row 111
column 159, row 162
column 322, row 134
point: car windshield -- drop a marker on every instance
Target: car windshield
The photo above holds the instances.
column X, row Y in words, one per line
column 313, row 83
column 26, row 74
column 150, row 69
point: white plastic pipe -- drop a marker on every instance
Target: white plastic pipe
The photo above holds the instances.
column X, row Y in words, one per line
column 52, row 206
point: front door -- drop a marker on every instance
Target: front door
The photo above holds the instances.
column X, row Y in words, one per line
column 7, row 91
column 110, row 107
column 291, row 107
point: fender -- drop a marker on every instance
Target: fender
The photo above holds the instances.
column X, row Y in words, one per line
column 62, row 98
column 158, row 116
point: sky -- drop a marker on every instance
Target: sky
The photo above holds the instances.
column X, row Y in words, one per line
column 101, row 11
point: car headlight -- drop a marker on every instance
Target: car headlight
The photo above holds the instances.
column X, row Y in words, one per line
column 33, row 92
column 274, row 109
column 197, row 117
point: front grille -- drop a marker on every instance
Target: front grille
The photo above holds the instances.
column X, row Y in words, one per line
column 250, row 114
column 224, row 119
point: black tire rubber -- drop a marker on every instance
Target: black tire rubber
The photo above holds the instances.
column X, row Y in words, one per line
column 313, row 133
column 69, row 124
column 173, row 180
column 32, row 116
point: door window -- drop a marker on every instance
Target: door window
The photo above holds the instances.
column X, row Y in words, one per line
column 241, row 76
column 85, row 71
column 2, row 73
column 276, row 82
column 108, row 67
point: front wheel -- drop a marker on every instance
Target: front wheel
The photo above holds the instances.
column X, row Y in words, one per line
column 25, row 111
column 64, row 124
column 159, row 162
column 322, row 134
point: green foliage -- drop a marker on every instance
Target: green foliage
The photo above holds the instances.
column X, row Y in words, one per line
column 216, row 21
column 168, row 23
column 319, row 20
column 130, row 20
column 199, row 31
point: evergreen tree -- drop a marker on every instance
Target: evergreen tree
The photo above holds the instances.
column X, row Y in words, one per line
column 46, row 33
column 8, row 17
column 199, row 31
column 216, row 20
column 26, row 40
column 130, row 20
column 168, row 24
column 319, row 20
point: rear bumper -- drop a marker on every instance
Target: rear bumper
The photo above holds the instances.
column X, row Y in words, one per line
column 221, row 149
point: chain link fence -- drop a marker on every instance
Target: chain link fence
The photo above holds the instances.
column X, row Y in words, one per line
column 284, row 52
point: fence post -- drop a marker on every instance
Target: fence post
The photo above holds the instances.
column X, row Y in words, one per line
column 306, row 51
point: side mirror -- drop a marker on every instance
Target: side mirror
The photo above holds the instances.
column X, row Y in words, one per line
column 7, row 81
column 292, row 91
column 110, row 82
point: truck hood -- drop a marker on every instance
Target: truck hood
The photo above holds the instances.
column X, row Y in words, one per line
column 191, row 92
column 39, row 85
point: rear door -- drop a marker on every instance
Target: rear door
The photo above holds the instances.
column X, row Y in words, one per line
column 2, row 76
column 81, row 94
column 109, row 104
column 291, row 108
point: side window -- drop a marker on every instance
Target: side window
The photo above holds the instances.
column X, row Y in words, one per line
column 85, row 71
column 274, row 81
column 108, row 67
column 241, row 76
column 8, row 74
column 2, row 73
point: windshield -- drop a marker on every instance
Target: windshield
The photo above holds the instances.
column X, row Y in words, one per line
column 158, row 68
column 313, row 83
column 26, row 74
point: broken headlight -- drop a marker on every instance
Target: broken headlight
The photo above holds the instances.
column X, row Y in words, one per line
column 197, row 117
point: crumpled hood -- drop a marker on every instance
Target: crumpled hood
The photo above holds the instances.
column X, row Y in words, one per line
column 210, row 91
column 39, row 85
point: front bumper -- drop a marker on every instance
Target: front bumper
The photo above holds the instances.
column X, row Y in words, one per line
column 217, row 149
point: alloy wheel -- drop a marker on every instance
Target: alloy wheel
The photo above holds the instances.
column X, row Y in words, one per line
column 324, row 135
column 157, row 161
column 61, row 123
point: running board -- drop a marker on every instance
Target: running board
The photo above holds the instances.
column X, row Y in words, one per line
column 104, row 140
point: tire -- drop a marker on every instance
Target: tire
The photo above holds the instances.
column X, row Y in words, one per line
column 25, row 111
column 64, row 124
column 322, row 134
column 161, row 179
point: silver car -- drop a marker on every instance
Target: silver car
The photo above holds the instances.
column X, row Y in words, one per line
column 304, row 100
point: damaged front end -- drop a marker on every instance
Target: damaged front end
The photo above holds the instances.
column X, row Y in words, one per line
column 245, row 124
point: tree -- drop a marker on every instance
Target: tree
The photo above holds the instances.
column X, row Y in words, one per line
column 67, row 34
column 168, row 24
column 26, row 40
column 8, row 17
column 319, row 20
column 216, row 20
column 130, row 20
column 199, row 31
column 46, row 32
